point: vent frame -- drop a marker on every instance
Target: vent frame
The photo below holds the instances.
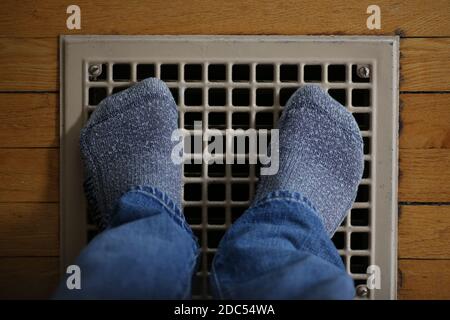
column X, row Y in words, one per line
column 77, row 52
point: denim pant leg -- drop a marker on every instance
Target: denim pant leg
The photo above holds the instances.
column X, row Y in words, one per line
column 279, row 249
column 149, row 252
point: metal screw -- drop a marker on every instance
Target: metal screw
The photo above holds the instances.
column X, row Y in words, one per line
column 362, row 291
column 363, row 72
column 95, row 70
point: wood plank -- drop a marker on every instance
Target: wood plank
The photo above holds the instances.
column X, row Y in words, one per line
column 29, row 229
column 32, row 175
column 424, row 175
column 410, row 18
column 28, row 278
column 29, row 120
column 424, row 279
column 425, row 64
column 29, row 175
column 29, row 64
column 425, row 121
column 424, row 232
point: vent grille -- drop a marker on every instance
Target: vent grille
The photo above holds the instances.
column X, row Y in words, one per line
column 249, row 90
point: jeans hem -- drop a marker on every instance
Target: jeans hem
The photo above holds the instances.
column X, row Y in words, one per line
column 171, row 207
column 286, row 196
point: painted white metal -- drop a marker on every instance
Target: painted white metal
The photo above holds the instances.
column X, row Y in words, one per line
column 367, row 237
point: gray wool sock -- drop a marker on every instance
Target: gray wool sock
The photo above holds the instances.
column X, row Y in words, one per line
column 127, row 143
column 321, row 155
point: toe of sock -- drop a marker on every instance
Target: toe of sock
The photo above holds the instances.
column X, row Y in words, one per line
column 150, row 91
column 315, row 98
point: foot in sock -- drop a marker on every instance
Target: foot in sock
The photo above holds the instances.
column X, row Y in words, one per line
column 127, row 143
column 321, row 155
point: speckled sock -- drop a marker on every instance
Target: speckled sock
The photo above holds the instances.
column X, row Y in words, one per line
column 321, row 155
column 127, row 143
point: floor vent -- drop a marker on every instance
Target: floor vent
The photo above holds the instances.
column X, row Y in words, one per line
column 241, row 82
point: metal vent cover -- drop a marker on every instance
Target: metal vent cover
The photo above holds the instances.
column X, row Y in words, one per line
column 243, row 82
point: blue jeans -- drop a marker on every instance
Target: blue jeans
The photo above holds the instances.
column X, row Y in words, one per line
column 278, row 249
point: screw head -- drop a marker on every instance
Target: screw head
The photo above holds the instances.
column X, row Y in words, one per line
column 95, row 70
column 362, row 291
column 363, row 72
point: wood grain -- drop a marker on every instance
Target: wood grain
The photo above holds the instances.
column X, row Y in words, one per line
column 28, row 64
column 425, row 121
column 29, row 229
column 424, row 232
column 48, row 18
column 425, row 65
column 29, row 175
column 424, row 175
column 424, row 279
column 29, row 120
column 32, row 175
column 28, row 278
column 31, row 64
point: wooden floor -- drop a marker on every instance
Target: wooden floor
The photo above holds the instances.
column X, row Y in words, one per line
column 29, row 119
